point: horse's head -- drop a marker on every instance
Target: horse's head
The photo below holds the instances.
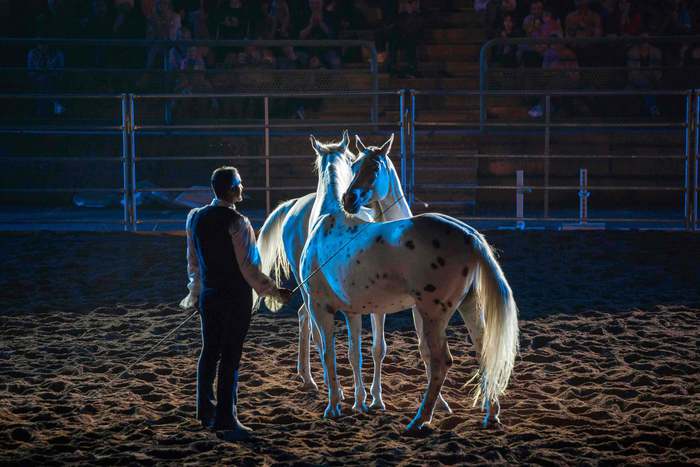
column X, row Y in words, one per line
column 333, row 164
column 371, row 181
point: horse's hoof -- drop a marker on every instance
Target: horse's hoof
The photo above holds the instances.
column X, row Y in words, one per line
column 310, row 386
column 378, row 404
column 332, row 412
column 417, row 427
column 360, row 408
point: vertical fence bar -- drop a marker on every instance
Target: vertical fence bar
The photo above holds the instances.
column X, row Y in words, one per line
column 696, row 147
column 547, row 149
column 412, row 127
column 402, row 106
column 687, row 144
column 125, row 162
column 132, row 131
column 268, row 204
column 519, row 199
column 583, row 195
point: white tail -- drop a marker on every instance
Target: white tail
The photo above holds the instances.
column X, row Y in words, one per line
column 500, row 339
column 273, row 259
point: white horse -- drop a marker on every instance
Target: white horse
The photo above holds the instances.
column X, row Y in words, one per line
column 280, row 242
column 356, row 267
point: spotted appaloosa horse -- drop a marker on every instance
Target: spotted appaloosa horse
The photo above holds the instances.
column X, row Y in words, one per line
column 280, row 242
column 387, row 266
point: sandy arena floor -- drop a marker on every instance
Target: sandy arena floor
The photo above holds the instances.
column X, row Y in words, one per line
column 608, row 372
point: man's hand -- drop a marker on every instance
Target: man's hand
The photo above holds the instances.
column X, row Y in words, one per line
column 284, row 295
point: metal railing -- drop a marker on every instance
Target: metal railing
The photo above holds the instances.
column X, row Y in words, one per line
column 119, row 130
column 265, row 129
column 689, row 157
column 133, row 123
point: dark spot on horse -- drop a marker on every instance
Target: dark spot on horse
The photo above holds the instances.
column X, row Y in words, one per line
column 436, row 301
column 357, row 261
column 433, row 265
column 385, row 275
column 371, row 281
column 367, row 287
column 449, row 303
column 379, row 239
column 329, row 309
column 440, row 261
column 353, row 284
column 410, row 245
column 377, row 275
column 429, row 288
column 465, row 271
column 436, row 243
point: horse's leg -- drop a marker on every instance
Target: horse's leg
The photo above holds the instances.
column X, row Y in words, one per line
column 473, row 320
column 378, row 354
column 354, row 324
column 304, row 362
column 440, row 360
column 441, row 403
column 324, row 321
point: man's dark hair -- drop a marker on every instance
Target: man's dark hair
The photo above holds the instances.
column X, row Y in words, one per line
column 222, row 179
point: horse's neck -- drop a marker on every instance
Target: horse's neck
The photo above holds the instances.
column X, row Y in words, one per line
column 327, row 198
column 395, row 206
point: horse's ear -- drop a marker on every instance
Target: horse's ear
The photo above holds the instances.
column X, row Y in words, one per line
column 315, row 144
column 359, row 144
column 345, row 141
column 386, row 147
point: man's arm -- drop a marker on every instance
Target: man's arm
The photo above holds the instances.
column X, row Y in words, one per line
column 248, row 257
column 194, row 285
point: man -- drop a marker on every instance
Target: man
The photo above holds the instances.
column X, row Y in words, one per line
column 223, row 265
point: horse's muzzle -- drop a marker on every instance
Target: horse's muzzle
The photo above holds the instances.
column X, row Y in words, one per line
column 350, row 202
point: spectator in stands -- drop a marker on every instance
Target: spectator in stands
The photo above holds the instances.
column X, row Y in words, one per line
column 44, row 66
column 404, row 36
column 495, row 12
column 507, row 55
column 179, row 52
column 585, row 23
column 318, row 27
column 532, row 26
column 163, row 25
column 643, row 62
column 560, row 57
column 629, row 19
column 230, row 21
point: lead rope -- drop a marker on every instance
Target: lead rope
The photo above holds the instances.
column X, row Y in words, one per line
column 255, row 307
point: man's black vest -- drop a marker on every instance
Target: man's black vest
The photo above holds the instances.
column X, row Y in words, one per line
column 217, row 258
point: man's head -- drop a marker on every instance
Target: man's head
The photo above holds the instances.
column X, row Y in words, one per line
column 227, row 184
column 536, row 8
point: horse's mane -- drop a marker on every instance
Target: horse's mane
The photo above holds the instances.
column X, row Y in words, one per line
column 343, row 178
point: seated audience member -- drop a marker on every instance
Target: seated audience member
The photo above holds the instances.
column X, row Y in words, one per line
column 178, row 52
column 536, row 26
column 404, row 38
column 495, row 12
column 507, row 55
column 559, row 57
column 643, row 62
column 585, row 23
column 629, row 19
column 318, row 27
column 44, row 66
column 163, row 25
